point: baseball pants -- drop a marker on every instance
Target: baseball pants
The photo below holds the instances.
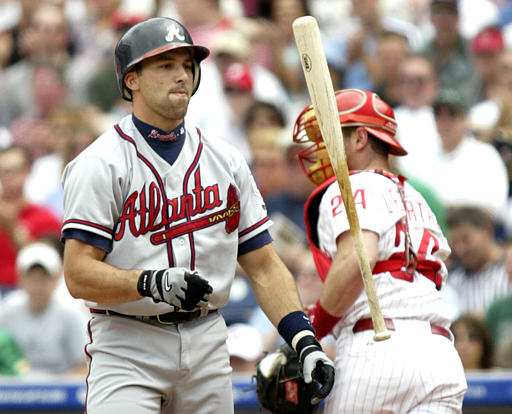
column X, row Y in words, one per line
column 415, row 371
column 148, row 368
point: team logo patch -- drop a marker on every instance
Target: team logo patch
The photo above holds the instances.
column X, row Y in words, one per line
column 291, row 392
column 174, row 32
column 229, row 215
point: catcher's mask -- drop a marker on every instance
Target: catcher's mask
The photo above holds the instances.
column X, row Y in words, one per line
column 150, row 38
column 357, row 107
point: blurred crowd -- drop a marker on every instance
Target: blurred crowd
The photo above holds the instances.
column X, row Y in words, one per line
column 445, row 66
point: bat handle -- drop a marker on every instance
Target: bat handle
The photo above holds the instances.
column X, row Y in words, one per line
column 381, row 336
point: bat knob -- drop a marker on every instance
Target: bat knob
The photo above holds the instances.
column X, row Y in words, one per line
column 381, row 336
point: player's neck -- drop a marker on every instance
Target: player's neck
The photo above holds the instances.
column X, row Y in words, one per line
column 156, row 120
column 372, row 163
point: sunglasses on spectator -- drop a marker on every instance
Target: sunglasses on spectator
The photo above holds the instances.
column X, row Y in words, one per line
column 447, row 110
column 12, row 170
column 414, row 80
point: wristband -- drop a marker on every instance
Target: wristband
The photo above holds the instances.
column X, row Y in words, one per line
column 143, row 283
column 293, row 323
column 322, row 321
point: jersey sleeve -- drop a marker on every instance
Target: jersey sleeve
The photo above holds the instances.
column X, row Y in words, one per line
column 91, row 200
column 253, row 211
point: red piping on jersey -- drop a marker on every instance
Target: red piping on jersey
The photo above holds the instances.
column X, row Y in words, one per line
column 88, row 223
column 249, row 229
column 157, row 176
column 195, row 162
column 90, row 363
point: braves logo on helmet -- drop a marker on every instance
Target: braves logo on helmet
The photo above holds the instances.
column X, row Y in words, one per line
column 173, row 32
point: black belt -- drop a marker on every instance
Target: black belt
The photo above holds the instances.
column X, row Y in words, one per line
column 365, row 324
column 163, row 318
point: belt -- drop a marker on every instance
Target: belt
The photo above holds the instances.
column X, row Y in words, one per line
column 366, row 324
column 169, row 318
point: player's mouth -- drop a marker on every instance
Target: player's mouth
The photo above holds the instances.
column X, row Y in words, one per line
column 182, row 93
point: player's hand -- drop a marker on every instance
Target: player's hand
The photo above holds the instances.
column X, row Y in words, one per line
column 316, row 365
column 176, row 286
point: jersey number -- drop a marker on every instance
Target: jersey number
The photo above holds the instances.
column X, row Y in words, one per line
column 427, row 267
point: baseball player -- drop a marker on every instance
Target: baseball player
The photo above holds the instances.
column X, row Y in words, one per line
column 156, row 216
column 418, row 369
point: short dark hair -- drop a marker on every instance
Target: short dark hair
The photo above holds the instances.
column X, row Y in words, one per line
column 475, row 216
column 479, row 328
column 277, row 114
column 378, row 146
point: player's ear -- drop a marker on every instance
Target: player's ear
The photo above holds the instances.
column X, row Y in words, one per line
column 131, row 80
column 361, row 137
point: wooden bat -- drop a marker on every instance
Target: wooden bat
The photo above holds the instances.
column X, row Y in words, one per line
column 318, row 79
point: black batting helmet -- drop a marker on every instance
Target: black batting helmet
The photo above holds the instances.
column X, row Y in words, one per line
column 150, row 38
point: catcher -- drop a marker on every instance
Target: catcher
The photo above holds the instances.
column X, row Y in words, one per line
column 418, row 369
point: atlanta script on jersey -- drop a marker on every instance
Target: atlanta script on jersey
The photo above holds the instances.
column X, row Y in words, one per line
column 191, row 214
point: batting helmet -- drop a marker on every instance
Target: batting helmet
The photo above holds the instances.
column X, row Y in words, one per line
column 150, row 38
column 356, row 107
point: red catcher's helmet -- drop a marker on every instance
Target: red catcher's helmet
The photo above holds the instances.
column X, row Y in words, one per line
column 357, row 107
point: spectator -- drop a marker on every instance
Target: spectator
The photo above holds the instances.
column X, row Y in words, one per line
column 487, row 48
column 473, row 343
column 72, row 130
column 230, row 48
column 309, row 286
column 417, row 130
column 460, row 171
column 370, row 25
column 392, row 50
column 278, row 33
column 448, row 50
column 12, row 361
column 478, row 272
column 499, row 313
column 20, row 221
column 290, row 201
column 268, row 160
column 51, row 335
column 36, row 82
column 261, row 115
column 101, row 89
column 237, row 82
column 245, row 348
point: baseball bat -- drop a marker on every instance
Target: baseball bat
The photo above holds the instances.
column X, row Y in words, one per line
column 319, row 83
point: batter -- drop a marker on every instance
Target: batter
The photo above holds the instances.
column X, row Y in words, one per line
column 156, row 217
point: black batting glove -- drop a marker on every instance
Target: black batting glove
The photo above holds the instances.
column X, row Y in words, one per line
column 176, row 286
column 316, row 365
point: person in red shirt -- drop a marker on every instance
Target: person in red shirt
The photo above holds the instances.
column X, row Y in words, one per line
column 20, row 221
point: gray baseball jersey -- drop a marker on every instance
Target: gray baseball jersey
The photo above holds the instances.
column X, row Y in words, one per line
column 197, row 211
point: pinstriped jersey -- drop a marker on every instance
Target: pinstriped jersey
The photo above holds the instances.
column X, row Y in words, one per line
column 477, row 290
column 380, row 209
column 193, row 213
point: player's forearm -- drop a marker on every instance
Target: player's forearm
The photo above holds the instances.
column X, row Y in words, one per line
column 88, row 277
column 272, row 283
column 342, row 286
column 344, row 282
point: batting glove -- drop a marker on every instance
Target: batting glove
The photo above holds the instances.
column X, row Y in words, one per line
column 316, row 365
column 176, row 286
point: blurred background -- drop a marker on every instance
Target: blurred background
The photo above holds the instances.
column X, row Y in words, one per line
column 445, row 66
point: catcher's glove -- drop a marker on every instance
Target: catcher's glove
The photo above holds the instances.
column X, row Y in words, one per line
column 280, row 385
